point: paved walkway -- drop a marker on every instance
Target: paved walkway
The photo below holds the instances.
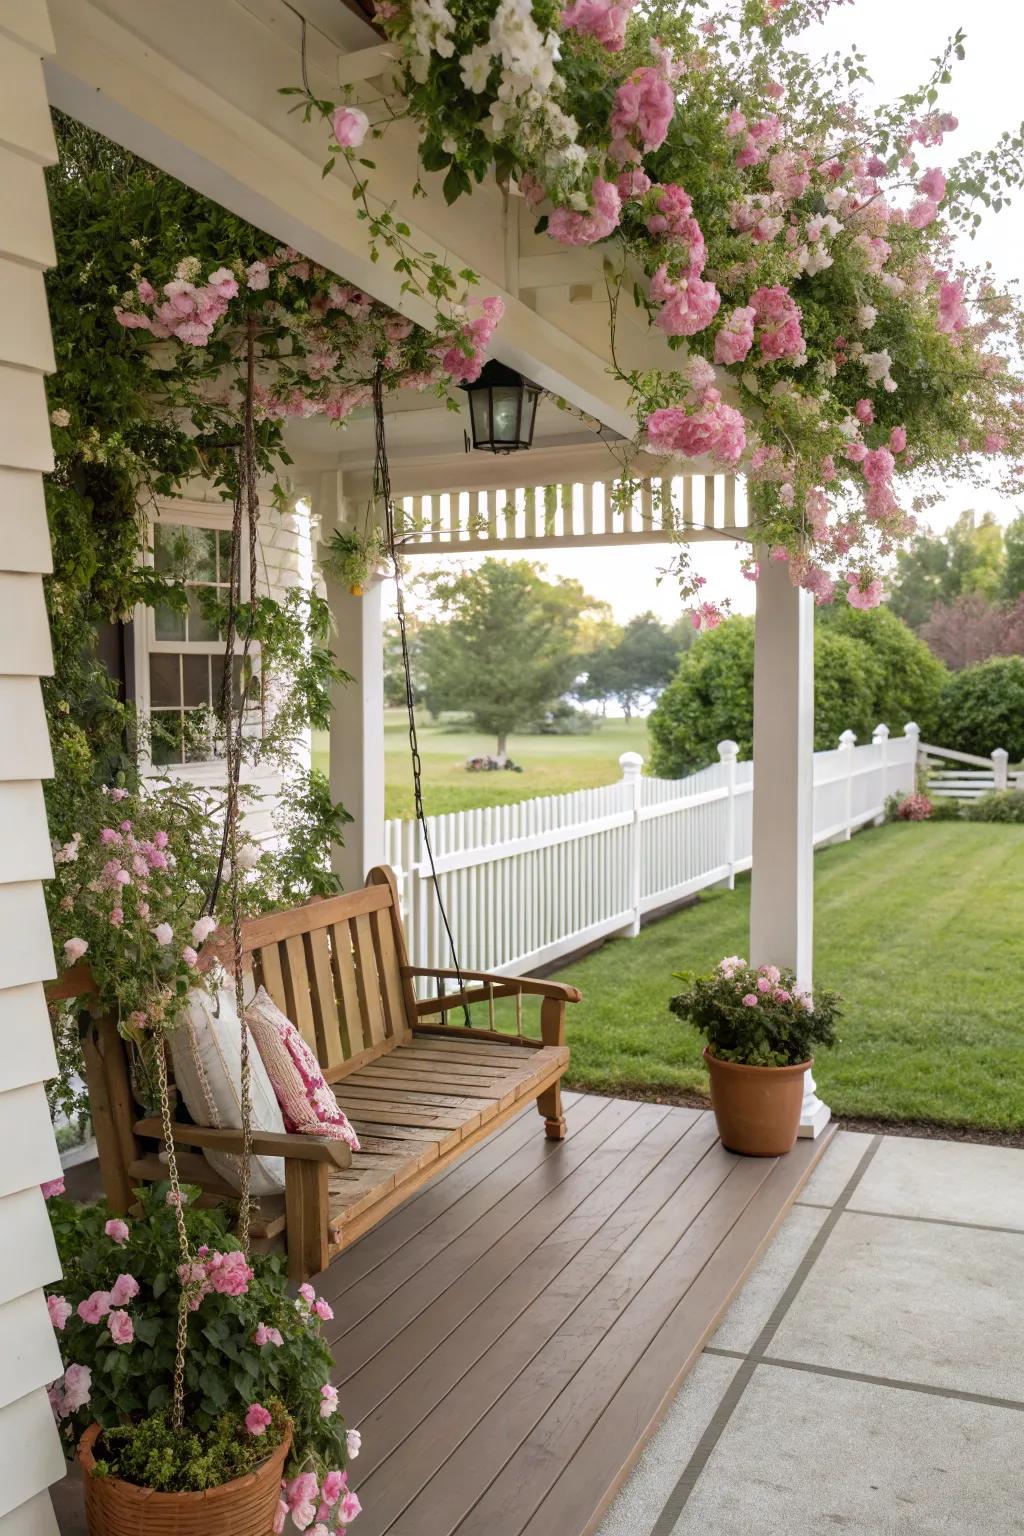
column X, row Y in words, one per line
column 869, row 1377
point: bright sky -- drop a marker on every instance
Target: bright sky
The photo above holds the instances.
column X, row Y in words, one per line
column 899, row 38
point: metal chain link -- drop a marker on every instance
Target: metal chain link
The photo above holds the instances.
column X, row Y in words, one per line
column 382, row 493
column 181, row 1339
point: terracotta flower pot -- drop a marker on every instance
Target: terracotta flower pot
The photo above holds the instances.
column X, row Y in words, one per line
column 757, row 1108
column 244, row 1507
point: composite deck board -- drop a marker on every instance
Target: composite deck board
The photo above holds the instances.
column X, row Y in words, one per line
column 507, row 1339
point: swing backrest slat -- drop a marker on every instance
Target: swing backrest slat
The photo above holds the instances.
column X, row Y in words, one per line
column 334, row 967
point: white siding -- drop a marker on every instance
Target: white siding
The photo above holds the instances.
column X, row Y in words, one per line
column 30, row 1452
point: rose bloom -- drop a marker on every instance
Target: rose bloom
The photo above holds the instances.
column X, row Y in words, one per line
column 257, row 1419
column 117, row 1230
column 60, row 1310
column 121, row 1328
column 125, row 1288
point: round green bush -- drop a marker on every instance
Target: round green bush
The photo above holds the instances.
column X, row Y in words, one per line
column 983, row 708
column 869, row 669
column 1000, row 805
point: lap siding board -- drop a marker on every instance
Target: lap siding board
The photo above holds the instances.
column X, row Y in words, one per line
column 420, row 1092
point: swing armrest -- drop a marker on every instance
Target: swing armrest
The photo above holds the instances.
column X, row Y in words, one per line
column 493, row 985
column 288, row 1144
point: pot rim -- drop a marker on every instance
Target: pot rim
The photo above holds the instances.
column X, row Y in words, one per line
column 741, row 1066
column 136, row 1490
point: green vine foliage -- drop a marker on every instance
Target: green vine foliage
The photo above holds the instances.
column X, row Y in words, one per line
column 126, row 434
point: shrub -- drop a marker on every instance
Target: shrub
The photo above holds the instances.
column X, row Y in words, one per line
column 914, row 808
column 1000, row 805
column 869, row 669
column 944, row 808
column 759, row 1018
column 982, row 708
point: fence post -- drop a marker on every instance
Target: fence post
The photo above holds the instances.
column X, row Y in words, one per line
column 728, row 751
column 847, row 742
column 912, row 731
column 880, row 738
column 632, row 764
column 1000, row 758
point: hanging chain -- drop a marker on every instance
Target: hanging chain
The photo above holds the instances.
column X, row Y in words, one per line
column 184, row 1295
column 382, row 493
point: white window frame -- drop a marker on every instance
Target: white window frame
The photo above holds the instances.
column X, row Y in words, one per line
column 187, row 512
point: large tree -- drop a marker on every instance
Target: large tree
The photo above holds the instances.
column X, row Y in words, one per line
column 941, row 567
column 633, row 664
column 1013, row 567
column 505, row 646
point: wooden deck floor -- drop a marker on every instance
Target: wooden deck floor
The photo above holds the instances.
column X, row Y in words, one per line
column 507, row 1339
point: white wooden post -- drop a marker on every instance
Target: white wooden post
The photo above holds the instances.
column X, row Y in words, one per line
column 880, row 738
column 30, row 1451
column 782, row 880
column 912, row 731
column 728, row 752
column 1000, row 759
column 357, row 714
column 632, row 764
column 847, row 742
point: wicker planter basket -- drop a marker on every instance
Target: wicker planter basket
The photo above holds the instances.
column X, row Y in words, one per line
column 244, row 1507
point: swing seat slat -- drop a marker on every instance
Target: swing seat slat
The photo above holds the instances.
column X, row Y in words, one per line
column 420, row 1087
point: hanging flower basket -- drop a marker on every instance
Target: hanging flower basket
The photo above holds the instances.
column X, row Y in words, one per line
column 356, row 556
column 246, row 1506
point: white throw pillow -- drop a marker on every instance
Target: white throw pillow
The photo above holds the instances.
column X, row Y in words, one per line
column 206, row 1049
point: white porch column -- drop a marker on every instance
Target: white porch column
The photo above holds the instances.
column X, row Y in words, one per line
column 782, row 879
column 357, row 717
column 30, row 1452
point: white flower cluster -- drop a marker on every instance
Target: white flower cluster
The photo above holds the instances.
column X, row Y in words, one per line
column 525, row 105
column 432, row 25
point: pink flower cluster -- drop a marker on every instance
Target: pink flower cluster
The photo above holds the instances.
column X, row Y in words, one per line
column 777, row 320
column 715, row 430
column 315, row 1304
column 227, row 1274
column 187, row 311
column 463, row 365
column 641, row 113
column 736, row 336
column 72, row 1392
column 306, row 1500
column 603, row 19
column 914, row 808
column 867, row 596
column 571, row 228
column 953, row 315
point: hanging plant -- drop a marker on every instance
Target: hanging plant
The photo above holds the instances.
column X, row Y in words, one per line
column 354, row 555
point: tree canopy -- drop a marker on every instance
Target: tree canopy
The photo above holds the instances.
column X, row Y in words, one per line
column 970, row 558
column 870, row 669
column 505, row 646
column 633, row 663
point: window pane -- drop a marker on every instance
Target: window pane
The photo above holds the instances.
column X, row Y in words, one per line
column 164, row 681
column 168, row 625
column 202, row 554
column 163, row 546
column 165, row 737
column 196, row 678
column 198, row 627
column 198, row 742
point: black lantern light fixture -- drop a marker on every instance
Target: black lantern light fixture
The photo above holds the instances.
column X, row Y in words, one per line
column 502, row 409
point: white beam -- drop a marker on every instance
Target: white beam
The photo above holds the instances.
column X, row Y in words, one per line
column 782, row 878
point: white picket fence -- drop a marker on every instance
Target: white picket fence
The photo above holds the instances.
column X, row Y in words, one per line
column 979, row 777
column 526, row 883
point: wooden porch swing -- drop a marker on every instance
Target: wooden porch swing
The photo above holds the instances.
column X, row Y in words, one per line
column 419, row 1091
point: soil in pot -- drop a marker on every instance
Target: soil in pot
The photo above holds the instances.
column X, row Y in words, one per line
column 243, row 1507
column 757, row 1108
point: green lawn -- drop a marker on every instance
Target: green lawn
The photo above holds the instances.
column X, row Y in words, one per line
column 920, row 927
column 552, row 765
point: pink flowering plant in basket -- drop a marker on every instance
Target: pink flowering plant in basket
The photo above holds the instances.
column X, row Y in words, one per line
column 257, row 1363
column 756, row 1016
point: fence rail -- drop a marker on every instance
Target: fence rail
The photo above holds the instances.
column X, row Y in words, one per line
column 981, row 775
column 527, row 883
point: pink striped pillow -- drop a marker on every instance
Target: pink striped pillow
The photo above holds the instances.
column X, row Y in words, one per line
column 307, row 1103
